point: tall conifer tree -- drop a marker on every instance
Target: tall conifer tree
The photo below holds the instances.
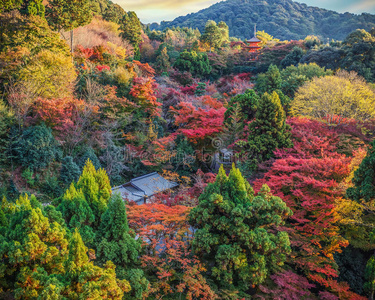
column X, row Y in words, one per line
column 77, row 213
column 87, row 281
column 33, row 250
column 237, row 232
column 96, row 188
column 132, row 31
column 269, row 131
column 364, row 178
column 117, row 244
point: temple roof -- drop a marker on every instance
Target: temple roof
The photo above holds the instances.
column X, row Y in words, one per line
column 253, row 40
column 144, row 186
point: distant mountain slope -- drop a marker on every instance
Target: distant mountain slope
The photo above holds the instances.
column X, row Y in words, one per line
column 284, row 19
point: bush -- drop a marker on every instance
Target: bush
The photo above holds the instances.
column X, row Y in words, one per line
column 195, row 63
column 69, row 170
column 36, row 147
column 52, row 187
column 293, row 58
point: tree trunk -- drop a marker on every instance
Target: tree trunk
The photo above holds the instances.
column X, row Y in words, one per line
column 71, row 42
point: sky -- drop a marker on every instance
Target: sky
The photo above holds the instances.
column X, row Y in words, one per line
column 150, row 11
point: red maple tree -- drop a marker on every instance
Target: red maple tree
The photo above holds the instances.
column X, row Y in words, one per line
column 143, row 92
column 307, row 178
column 166, row 235
column 199, row 123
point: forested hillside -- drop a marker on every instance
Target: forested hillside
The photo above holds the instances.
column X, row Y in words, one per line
column 284, row 19
column 270, row 157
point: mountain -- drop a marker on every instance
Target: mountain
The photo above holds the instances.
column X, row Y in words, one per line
column 283, row 19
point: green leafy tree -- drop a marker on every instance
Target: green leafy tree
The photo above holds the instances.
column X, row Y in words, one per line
column 269, row 81
column 117, row 244
column 294, row 77
column 266, row 38
column 213, row 35
column 31, row 32
column 68, row 14
column 248, row 103
column 364, row 178
column 89, row 153
column 195, row 63
column 36, row 147
column 284, row 100
column 40, row 259
column 233, row 126
column 84, row 202
column 114, row 13
column 293, row 58
column 269, row 131
column 132, row 31
column 312, row 41
column 359, row 47
column 236, row 232
column 328, row 57
column 224, row 30
column 185, row 161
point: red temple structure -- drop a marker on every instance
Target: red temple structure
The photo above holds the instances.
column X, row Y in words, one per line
column 253, row 45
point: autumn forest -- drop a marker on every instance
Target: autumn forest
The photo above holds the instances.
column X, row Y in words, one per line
column 269, row 144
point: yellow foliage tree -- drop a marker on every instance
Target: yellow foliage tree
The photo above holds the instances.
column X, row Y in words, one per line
column 266, row 39
column 356, row 219
column 339, row 97
column 35, row 61
column 51, row 74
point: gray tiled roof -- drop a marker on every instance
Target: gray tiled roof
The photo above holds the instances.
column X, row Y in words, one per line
column 129, row 193
column 142, row 186
column 152, row 183
column 254, row 39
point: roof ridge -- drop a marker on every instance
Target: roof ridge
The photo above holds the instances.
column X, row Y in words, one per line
column 143, row 176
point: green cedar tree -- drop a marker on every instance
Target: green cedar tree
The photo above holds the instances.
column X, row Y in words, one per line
column 237, row 233
column 269, row 130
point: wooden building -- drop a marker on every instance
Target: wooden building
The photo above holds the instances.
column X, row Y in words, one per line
column 144, row 187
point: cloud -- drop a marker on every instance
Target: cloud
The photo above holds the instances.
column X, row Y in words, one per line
column 363, row 6
column 158, row 10
column 353, row 6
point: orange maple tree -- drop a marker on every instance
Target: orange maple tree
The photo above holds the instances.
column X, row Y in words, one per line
column 166, row 235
